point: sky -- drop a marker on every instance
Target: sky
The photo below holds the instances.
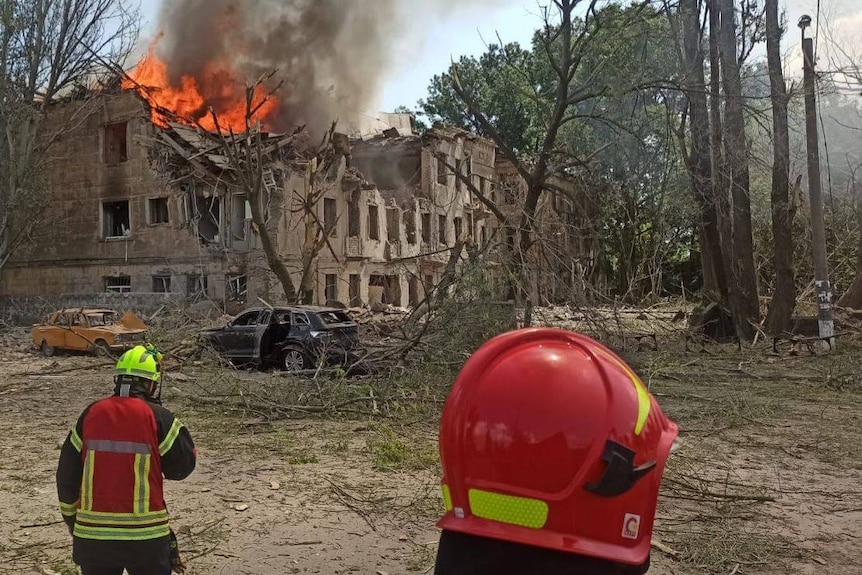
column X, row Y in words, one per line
column 433, row 41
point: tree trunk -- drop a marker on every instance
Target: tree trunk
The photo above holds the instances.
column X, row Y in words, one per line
column 718, row 164
column 744, row 303
column 778, row 320
column 700, row 170
column 852, row 298
column 269, row 248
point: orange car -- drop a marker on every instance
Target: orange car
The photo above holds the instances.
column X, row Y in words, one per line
column 94, row 330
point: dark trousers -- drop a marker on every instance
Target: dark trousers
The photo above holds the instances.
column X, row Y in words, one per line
column 150, row 557
column 137, row 570
column 86, row 570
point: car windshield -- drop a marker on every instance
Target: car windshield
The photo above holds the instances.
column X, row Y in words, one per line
column 334, row 317
column 103, row 318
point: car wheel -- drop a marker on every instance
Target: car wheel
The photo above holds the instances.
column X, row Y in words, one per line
column 101, row 349
column 293, row 359
column 47, row 350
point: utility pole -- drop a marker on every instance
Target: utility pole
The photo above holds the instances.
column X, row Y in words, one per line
column 818, row 231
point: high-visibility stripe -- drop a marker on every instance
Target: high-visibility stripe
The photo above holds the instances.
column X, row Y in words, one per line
column 69, row 509
column 644, row 403
column 174, row 431
column 121, row 533
column 142, row 483
column 75, row 439
column 532, row 513
column 103, row 518
column 118, row 446
column 447, row 497
column 87, row 483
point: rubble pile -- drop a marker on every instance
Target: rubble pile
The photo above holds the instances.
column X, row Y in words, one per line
column 16, row 341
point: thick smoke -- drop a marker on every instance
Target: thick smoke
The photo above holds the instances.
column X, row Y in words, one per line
column 331, row 54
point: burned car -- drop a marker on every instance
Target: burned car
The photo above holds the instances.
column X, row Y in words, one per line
column 93, row 330
column 293, row 338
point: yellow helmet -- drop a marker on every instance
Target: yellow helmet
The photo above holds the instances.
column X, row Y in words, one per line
column 140, row 361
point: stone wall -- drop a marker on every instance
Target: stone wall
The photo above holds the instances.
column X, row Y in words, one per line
column 27, row 310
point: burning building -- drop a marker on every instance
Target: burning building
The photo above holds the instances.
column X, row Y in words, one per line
column 144, row 201
column 123, row 220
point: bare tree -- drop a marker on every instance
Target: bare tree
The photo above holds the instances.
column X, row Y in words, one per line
column 49, row 50
column 566, row 41
column 779, row 318
column 697, row 156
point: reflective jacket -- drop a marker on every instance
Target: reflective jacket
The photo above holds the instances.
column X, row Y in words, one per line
column 111, row 470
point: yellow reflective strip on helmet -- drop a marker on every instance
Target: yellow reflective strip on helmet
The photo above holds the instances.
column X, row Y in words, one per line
column 69, row 509
column 121, row 533
column 447, row 497
column 130, row 519
column 644, row 403
column 168, row 442
column 87, row 482
column 532, row 513
column 75, row 440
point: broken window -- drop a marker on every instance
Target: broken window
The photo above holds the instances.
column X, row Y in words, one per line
column 115, row 219
column 331, row 288
column 373, row 223
column 330, row 216
column 426, row 227
column 441, row 172
column 247, row 318
column 510, row 190
column 393, row 232
column 429, row 283
column 459, row 228
column 162, row 284
column 484, row 235
column 410, row 227
column 240, row 211
column 208, row 216
column 413, row 289
column 158, row 211
column 471, row 231
column 118, row 284
column 392, row 290
column 441, row 229
column 116, row 148
column 196, row 287
column 458, row 183
column 355, row 287
column 353, row 216
column 237, row 288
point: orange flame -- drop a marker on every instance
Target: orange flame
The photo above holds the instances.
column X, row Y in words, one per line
column 216, row 89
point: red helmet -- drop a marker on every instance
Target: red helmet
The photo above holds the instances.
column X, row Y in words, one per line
column 549, row 439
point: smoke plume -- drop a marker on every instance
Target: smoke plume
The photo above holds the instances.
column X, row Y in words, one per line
column 331, row 54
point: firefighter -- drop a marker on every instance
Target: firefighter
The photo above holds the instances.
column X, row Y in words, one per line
column 111, row 474
column 552, row 452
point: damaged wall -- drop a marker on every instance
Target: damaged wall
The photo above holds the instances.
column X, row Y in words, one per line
column 111, row 225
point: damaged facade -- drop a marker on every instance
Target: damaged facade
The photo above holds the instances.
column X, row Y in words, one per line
column 120, row 222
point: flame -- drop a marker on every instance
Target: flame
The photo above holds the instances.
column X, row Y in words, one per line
column 214, row 89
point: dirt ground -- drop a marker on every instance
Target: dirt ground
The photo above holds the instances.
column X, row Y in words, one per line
column 768, row 479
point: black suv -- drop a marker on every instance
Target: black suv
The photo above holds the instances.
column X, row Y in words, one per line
column 294, row 338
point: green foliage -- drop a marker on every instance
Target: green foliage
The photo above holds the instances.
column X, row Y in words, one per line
column 500, row 81
column 390, row 451
column 620, row 140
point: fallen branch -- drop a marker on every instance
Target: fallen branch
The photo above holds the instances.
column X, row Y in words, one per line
column 64, row 370
column 262, row 406
column 41, row 524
